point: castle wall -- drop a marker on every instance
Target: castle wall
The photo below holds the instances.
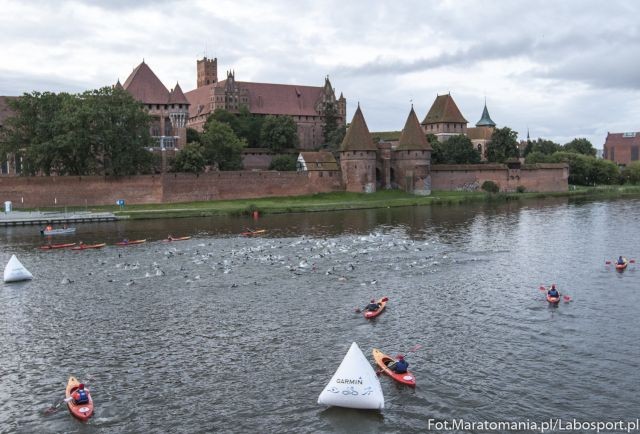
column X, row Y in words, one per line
column 411, row 171
column 43, row 191
column 469, row 177
column 358, row 171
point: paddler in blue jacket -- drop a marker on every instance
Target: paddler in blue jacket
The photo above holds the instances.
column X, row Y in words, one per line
column 620, row 260
column 400, row 366
column 373, row 306
column 553, row 292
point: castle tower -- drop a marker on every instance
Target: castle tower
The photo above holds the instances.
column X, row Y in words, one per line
column 444, row 119
column 358, row 157
column 480, row 136
column 207, row 71
column 412, row 158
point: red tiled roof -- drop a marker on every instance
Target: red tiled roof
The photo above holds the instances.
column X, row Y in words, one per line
column 358, row 137
column 412, row 137
column 619, row 139
column 5, row 110
column 321, row 160
column 444, row 109
column 145, row 86
column 176, row 96
column 264, row 98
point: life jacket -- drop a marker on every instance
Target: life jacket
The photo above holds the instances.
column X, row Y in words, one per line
column 81, row 397
column 401, row 366
column 553, row 293
column 373, row 306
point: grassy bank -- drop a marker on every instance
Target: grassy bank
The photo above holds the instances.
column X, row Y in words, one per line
column 344, row 201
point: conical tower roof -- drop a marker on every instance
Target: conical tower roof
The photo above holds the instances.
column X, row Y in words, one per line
column 177, row 96
column 412, row 136
column 485, row 120
column 145, row 86
column 358, row 137
column 444, row 109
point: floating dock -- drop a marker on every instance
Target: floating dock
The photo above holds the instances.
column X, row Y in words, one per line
column 21, row 218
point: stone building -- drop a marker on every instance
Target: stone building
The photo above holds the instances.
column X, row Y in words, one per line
column 480, row 136
column 622, row 148
column 169, row 109
column 366, row 166
column 305, row 104
column 444, row 119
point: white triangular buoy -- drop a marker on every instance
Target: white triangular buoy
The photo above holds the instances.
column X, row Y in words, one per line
column 15, row 271
column 354, row 385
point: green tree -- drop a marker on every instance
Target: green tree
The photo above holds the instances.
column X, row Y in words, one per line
column 336, row 138
column 604, row 172
column 503, row 145
column 330, row 121
column 456, row 150
column 581, row 146
column 283, row 163
column 631, row 173
column 222, row 146
column 542, row 146
column 249, row 127
column 538, row 157
column 103, row 131
column 279, row 132
column 193, row 135
column 190, row 159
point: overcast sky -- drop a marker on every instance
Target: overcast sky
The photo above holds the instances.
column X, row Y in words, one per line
column 563, row 69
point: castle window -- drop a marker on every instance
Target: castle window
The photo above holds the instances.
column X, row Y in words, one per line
column 634, row 153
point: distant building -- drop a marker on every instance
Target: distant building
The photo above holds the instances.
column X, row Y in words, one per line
column 622, row 148
column 169, row 109
column 305, row 104
column 316, row 161
column 480, row 136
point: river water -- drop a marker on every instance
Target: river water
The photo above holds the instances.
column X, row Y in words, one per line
column 228, row 334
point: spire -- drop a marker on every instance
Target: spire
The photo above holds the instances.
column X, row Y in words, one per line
column 177, row 96
column 358, row 137
column 412, row 137
column 444, row 109
column 485, row 120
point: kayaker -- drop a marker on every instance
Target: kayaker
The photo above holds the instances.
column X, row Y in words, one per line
column 553, row 292
column 125, row 241
column 400, row 366
column 620, row 260
column 372, row 306
column 169, row 237
column 80, row 395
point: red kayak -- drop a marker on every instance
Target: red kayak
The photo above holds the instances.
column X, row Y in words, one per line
column 382, row 360
column 81, row 411
column 89, row 246
column 553, row 300
column 374, row 313
column 57, row 246
column 253, row 233
column 623, row 265
column 129, row 243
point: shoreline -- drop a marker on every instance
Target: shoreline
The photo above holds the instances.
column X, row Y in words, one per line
column 340, row 201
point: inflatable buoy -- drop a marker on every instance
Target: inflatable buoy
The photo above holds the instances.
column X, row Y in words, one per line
column 354, row 385
column 15, row 271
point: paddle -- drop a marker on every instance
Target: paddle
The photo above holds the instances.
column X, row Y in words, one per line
column 358, row 310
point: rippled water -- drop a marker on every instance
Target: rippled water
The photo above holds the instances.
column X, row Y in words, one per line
column 228, row 334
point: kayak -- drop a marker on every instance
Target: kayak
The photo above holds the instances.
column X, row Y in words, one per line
column 89, row 246
column 128, row 243
column 81, row 411
column 57, row 246
column 382, row 360
column 253, row 233
column 177, row 239
column 553, row 300
column 60, row 231
column 623, row 265
column 372, row 314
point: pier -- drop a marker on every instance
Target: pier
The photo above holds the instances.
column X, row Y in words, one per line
column 26, row 218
